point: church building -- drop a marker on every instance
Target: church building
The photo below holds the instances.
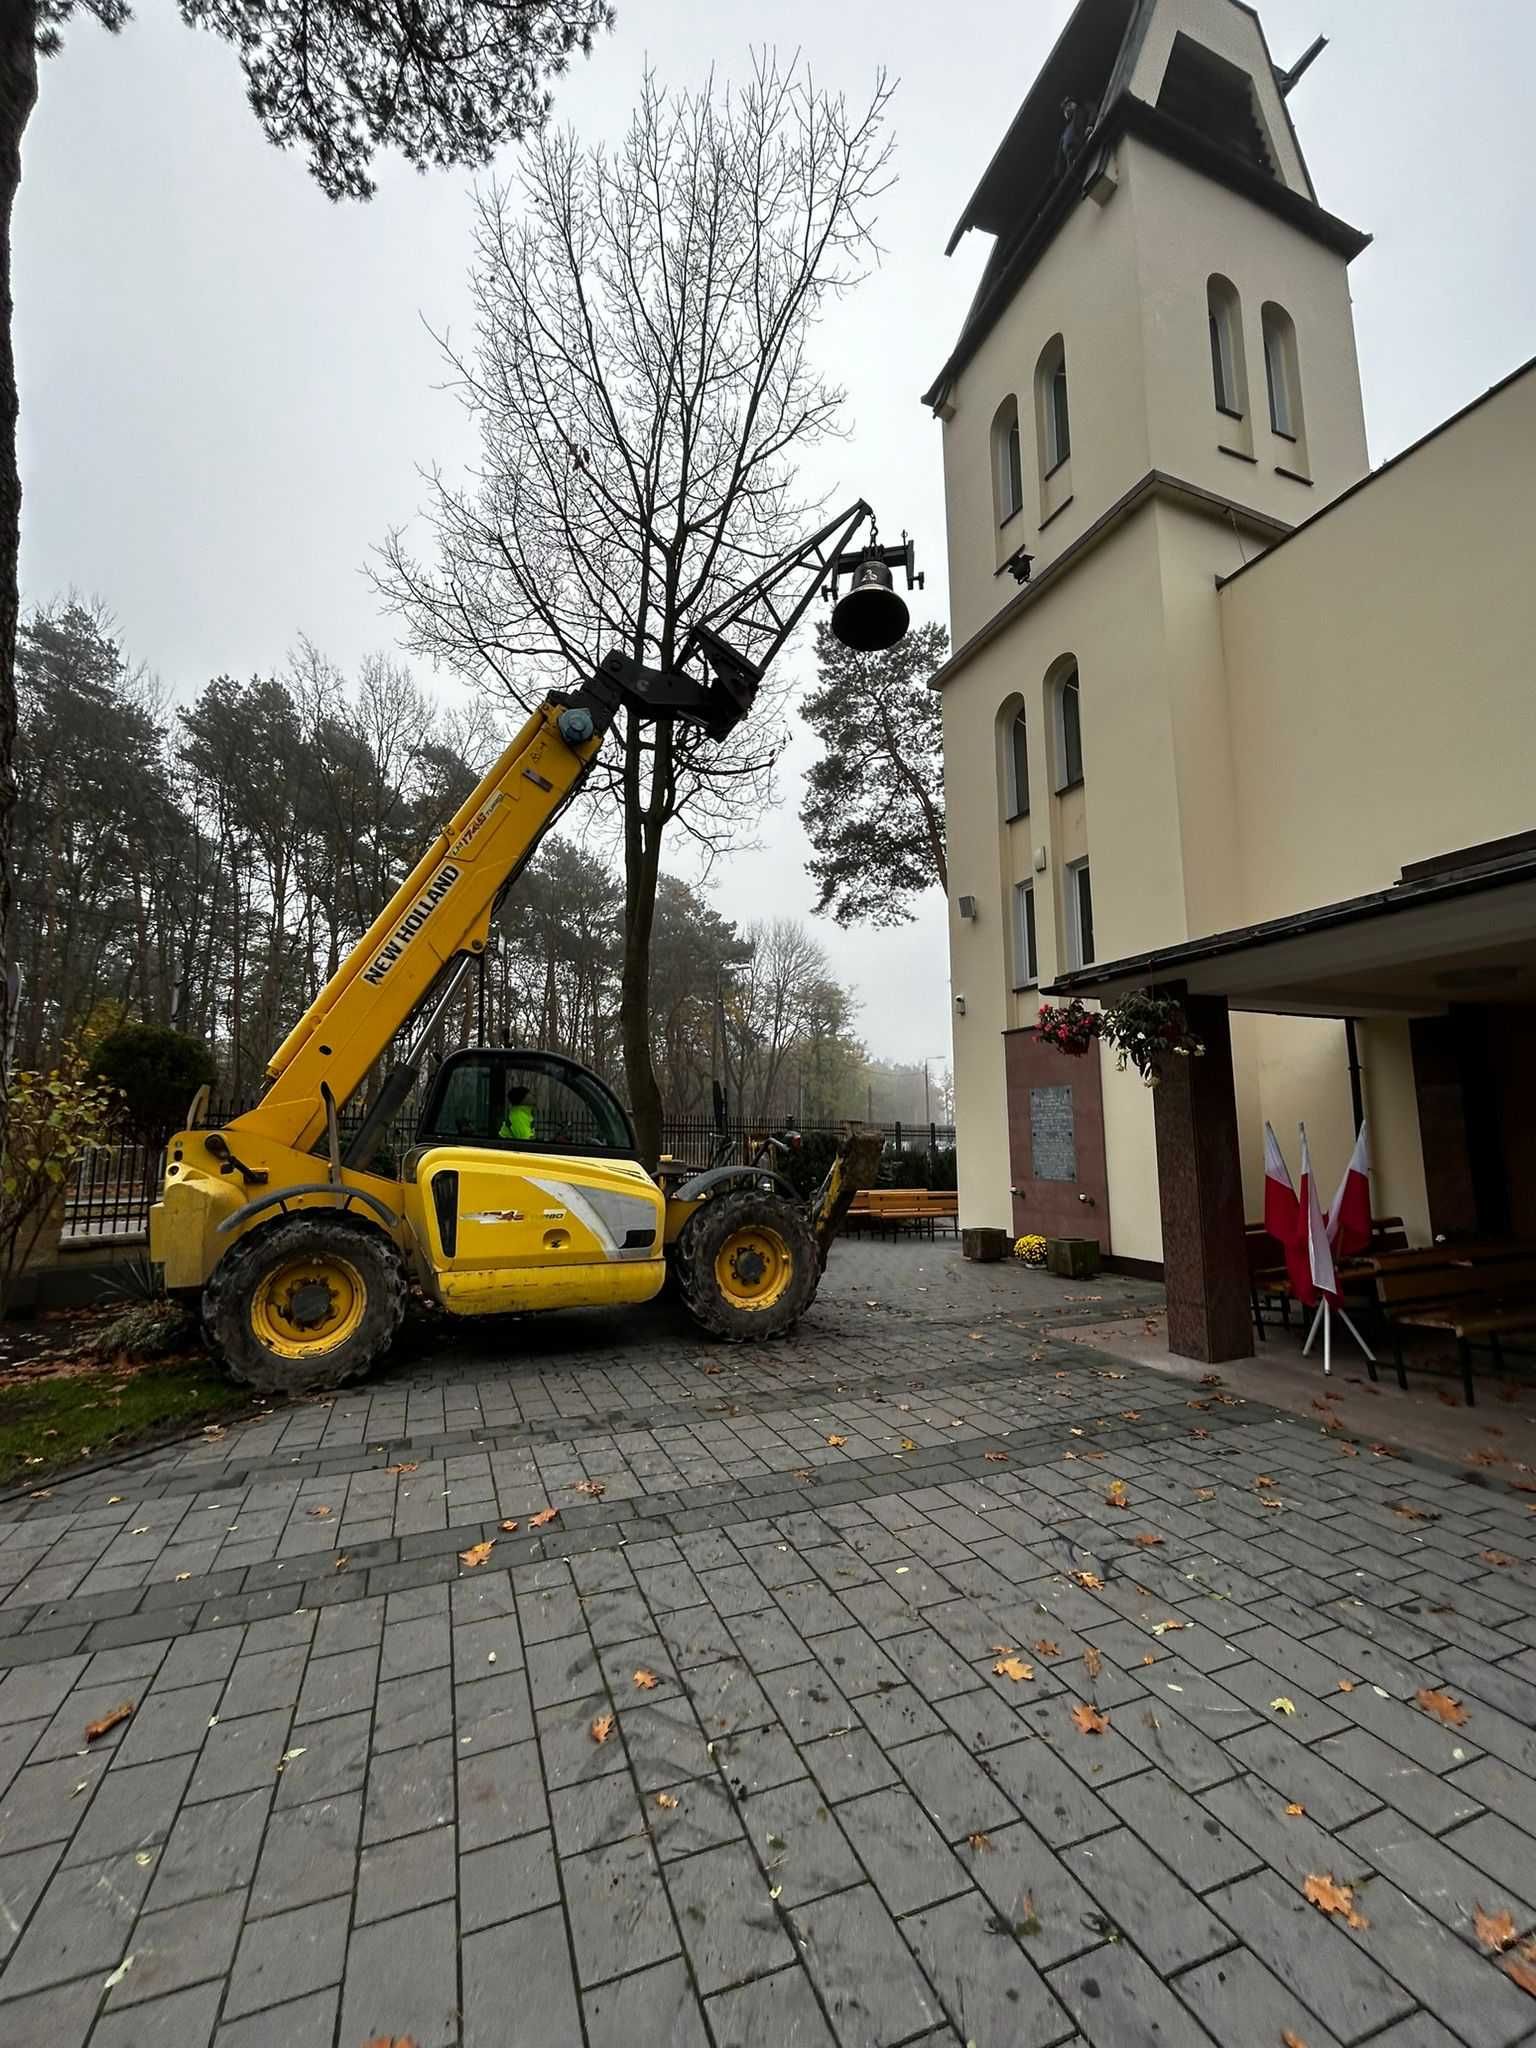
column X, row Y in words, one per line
column 1228, row 714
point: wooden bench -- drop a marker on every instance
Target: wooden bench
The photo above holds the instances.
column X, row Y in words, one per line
column 1485, row 1295
column 1267, row 1277
column 898, row 1207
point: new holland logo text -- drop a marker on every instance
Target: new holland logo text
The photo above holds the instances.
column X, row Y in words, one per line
column 411, row 923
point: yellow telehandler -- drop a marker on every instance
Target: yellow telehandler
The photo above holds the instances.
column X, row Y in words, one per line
column 523, row 1188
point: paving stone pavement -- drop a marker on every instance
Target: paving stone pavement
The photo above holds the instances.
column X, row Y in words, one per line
column 361, row 1793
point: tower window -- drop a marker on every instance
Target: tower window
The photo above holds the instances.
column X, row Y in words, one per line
column 1055, row 415
column 1216, row 99
column 1281, row 372
column 1018, row 766
column 1069, row 728
column 1007, row 461
column 1224, row 315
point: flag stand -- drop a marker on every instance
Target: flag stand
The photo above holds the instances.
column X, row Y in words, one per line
column 1325, row 1317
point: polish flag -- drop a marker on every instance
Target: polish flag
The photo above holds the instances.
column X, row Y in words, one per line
column 1279, row 1194
column 1312, row 1274
column 1349, row 1217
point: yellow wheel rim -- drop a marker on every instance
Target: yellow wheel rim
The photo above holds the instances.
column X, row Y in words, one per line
column 308, row 1305
column 753, row 1267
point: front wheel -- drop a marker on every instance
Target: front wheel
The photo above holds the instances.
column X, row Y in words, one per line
column 747, row 1266
column 307, row 1304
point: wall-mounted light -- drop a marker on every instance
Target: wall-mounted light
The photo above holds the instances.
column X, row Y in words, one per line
column 1041, row 862
column 959, row 1006
column 967, row 906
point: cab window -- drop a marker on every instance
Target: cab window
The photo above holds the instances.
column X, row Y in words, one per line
column 526, row 1100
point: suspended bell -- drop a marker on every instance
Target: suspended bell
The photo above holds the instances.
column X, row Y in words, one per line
column 870, row 616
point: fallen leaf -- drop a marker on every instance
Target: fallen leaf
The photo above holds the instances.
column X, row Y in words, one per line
column 1014, row 1668
column 666, row 1801
column 411, row 1467
column 594, row 1488
column 390, row 2041
column 1498, row 1559
column 1283, row 1705
column 1270, row 1503
column 1205, row 1493
column 1522, row 1969
column 1130, row 1415
column 805, row 1476
column 1146, row 1540
column 1161, row 1628
column 712, row 1369
column 646, row 1680
column 477, row 1553
column 1290, row 2040
column 119, row 1973
column 1089, row 1581
column 1089, row 1719
column 1093, row 1660
column 1410, row 1513
column 907, row 1444
column 1347, row 1684
column 1117, row 1497
column 1329, row 1896
column 995, row 1457
column 1046, row 1648
column 837, row 1442
column 979, row 1841
column 1442, row 1706
column 182, row 1577
column 1149, row 1658
column 1347, row 1450
column 509, row 1528
column 1264, row 1479
column 342, row 1560
column 114, row 1499
column 319, row 1513
column 543, row 1518
column 602, row 1728
column 1199, row 1432
column 1495, row 1931
column 113, row 1718
column 1295, row 1808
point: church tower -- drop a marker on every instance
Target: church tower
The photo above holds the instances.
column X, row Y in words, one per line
column 1156, row 380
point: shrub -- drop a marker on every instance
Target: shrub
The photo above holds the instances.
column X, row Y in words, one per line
column 157, row 1071
column 53, row 1119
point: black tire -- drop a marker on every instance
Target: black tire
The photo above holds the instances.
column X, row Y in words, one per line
column 248, row 1304
column 785, row 1279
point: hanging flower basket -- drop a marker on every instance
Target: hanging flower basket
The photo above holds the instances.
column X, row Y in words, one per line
column 1070, row 1027
column 1145, row 1028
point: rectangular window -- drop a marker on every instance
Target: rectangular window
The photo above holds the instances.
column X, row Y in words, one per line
column 1222, row 377
column 1079, row 915
column 1026, row 960
column 1019, row 769
column 1013, row 481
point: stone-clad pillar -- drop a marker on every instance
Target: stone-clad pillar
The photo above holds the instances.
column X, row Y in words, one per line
column 1200, row 1190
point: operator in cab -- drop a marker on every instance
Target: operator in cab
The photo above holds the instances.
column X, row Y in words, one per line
column 518, row 1121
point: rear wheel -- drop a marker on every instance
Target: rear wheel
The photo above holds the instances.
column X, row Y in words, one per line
column 747, row 1266
column 308, row 1304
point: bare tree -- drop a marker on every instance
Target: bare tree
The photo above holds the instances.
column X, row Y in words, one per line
column 442, row 81
column 642, row 382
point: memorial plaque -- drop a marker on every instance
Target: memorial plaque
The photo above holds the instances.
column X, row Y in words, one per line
column 1052, row 1140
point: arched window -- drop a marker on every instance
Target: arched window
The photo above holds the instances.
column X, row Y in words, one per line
column 1224, row 313
column 1051, row 406
column 1281, row 372
column 1007, row 463
column 1066, row 707
column 1018, row 766
column 1013, row 759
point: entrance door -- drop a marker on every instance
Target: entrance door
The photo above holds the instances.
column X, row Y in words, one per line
column 1056, row 1140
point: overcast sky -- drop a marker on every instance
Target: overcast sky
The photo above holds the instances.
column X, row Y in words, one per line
column 227, row 383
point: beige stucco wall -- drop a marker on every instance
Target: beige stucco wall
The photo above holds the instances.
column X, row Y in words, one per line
column 1233, row 32
column 1380, row 669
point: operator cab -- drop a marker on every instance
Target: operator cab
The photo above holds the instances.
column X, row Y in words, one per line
column 524, row 1102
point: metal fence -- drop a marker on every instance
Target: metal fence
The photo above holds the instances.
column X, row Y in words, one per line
column 112, row 1186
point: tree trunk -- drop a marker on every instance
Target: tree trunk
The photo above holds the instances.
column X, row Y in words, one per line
column 642, row 865
column 18, row 96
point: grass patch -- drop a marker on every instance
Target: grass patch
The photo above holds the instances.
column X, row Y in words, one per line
column 86, row 1413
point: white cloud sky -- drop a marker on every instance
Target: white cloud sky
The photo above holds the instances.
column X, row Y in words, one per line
column 228, row 383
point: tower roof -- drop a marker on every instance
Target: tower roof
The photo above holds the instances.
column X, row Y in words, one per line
column 1187, row 100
